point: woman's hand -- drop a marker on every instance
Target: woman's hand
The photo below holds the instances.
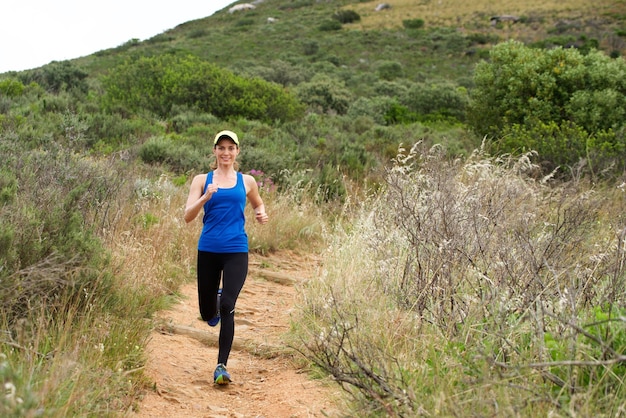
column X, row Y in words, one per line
column 261, row 217
column 197, row 197
column 210, row 189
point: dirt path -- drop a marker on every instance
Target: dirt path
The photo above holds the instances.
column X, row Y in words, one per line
column 266, row 381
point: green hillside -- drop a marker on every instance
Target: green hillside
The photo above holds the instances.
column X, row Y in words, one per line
column 452, row 32
column 410, row 65
column 464, row 161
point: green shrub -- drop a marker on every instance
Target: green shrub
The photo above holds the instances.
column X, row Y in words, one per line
column 283, row 72
column 567, row 145
column 483, row 38
column 310, row 47
column 244, row 22
column 116, row 131
column 51, row 226
column 556, row 145
column 389, row 70
column 397, row 113
column 330, row 184
column 197, row 33
column 447, row 41
column 179, row 157
column 296, row 4
column 442, row 99
column 8, row 186
column 346, row 16
column 157, row 39
column 184, row 119
column 57, row 76
column 390, row 88
column 375, row 108
column 158, row 84
column 413, row 23
column 521, row 83
column 597, row 109
column 11, row 88
column 330, row 25
column 552, row 93
column 324, row 94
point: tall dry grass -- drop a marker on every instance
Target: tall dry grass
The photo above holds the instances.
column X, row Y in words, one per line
column 467, row 288
column 95, row 254
column 74, row 333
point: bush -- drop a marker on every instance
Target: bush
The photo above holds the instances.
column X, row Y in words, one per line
column 8, row 186
column 441, row 99
column 283, row 72
column 115, row 131
column 446, row 247
column 310, row 47
column 413, row 23
column 11, row 88
column 597, row 110
column 325, row 95
column 51, row 228
column 184, row 119
column 158, row 84
column 375, row 108
column 57, row 76
column 520, row 84
column 568, row 146
column 553, row 93
column 346, row 16
column 178, row 157
column 390, row 88
column 483, row 38
column 389, row 70
column 397, row 113
column 330, row 25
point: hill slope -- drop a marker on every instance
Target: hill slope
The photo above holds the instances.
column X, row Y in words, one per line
column 446, row 46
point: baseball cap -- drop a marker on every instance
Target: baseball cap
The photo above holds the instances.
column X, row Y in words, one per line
column 228, row 134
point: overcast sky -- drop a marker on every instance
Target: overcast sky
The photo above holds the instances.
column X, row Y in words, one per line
column 35, row 32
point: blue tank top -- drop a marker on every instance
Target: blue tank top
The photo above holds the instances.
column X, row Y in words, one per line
column 223, row 230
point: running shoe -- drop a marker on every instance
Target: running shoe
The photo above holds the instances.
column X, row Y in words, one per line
column 221, row 376
column 216, row 319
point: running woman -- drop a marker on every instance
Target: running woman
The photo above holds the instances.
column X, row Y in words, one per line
column 223, row 243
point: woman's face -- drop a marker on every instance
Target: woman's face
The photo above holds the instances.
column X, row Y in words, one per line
column 225, row 151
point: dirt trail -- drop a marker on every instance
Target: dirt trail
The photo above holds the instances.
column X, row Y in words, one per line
column 266, row 381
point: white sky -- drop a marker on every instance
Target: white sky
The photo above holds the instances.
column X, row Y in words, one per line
column 35, row 32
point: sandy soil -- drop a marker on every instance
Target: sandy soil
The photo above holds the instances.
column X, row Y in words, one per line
column 267, row 382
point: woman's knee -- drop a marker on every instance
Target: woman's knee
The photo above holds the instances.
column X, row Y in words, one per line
column 227, row 308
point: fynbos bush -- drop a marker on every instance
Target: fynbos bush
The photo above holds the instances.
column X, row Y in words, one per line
column 543, row 91
column 466, row 278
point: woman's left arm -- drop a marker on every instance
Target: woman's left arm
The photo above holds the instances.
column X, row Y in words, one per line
column 252, row 191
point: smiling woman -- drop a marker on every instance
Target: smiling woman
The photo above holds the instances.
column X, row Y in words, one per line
column 223, row 245
column 42, row 31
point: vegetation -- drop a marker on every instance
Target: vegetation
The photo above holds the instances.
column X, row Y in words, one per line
column 157, row 84
column 565, row 105
column 482, row 269
column 469, row 285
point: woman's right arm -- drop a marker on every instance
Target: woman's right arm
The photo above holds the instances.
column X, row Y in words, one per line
column 196, row 198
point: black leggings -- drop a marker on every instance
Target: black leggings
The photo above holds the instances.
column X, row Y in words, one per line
column 232, row 268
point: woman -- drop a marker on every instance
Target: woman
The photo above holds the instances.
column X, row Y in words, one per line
column 223, row 243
